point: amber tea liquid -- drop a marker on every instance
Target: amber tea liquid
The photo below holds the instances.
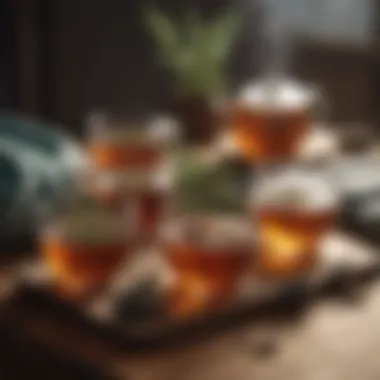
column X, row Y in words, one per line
column 289, row 240
column 77, row 269
column 268, row 135
column 109, row 154
column 207, row 273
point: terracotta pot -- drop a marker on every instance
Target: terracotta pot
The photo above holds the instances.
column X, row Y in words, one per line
column 199, row 119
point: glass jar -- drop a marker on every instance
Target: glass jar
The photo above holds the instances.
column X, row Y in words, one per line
column 147, row 192
column 292, row 210
column 271, row 117
column 83, row 246
column 208, row 253
column 119, row 142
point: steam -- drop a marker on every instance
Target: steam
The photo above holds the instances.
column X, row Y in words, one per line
column 279, row 24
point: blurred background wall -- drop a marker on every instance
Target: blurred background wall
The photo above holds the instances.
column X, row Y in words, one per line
column 5, row 53
column 68, row 56
column 350, row 20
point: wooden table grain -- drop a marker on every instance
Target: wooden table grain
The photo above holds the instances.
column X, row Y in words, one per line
column 334, row 339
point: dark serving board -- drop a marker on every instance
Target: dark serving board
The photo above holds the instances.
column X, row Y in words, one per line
column 345, row 264
column 23, row 357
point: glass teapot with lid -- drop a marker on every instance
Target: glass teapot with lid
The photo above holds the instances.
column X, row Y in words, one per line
column 271, row 116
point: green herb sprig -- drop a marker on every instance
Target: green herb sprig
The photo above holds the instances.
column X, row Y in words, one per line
column 196, row 51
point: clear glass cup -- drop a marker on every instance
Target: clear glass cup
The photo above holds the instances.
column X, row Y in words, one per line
column 209, row 254
column 292, row 210
column 118, row 142
column 83, row 246
column 271, row 117
column 147, row 192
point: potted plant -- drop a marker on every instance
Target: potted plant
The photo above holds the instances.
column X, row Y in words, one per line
column 196, row 52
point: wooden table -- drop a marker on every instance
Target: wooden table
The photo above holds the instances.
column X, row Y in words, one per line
column 334, row 339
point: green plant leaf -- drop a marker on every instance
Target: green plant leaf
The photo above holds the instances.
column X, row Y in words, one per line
column 165, row 33
column 208, row 187
column 222, row 33
column 195, row 51
column 214, row 48
column 194, row 26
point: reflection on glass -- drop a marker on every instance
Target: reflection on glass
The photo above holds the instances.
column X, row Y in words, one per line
column 270, row 119
column 146, row 192
column 83, row 248
column 208, row 254
column 116, row 143
column 292, row 212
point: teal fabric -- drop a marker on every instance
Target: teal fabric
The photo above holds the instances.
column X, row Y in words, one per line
column 10, row 182
column 38, row 165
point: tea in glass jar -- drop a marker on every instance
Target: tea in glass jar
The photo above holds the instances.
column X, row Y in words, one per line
column 147, row 193
column 209, row 255
column 270, row 119
column 291, row 211
column 115, row 143
column 83, row 248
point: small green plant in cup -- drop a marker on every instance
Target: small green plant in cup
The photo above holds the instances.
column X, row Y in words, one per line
column 196, row 51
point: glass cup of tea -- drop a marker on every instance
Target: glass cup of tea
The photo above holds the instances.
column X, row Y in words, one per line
column 292, row 211
column 271, row 117
column 146, row 192
column 209, row 254
column 116, row 143
column 83, row 248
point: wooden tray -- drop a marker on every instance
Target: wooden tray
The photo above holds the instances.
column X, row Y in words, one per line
column 23, row 357
column 345, row 263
